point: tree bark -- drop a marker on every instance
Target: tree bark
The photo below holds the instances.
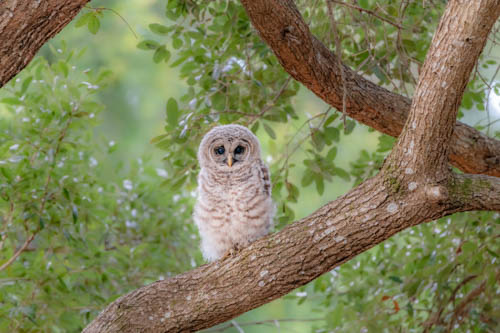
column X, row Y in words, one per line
column 414, row 186
column 26, row 25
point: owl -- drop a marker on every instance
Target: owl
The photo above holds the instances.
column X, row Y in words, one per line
column 234, row 206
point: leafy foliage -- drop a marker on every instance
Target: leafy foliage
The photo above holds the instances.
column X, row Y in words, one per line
column 86, row 231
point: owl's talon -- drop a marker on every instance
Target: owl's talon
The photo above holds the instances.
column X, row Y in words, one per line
column 231, row 252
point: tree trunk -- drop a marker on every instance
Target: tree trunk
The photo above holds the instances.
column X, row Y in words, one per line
column 414, row 186
column 26, row 25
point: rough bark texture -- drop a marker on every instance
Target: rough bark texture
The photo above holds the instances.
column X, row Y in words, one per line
column 414, row 186
column 26, row 25
column 310, row 62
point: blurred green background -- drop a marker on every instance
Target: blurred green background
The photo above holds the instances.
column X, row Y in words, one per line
column 135, row 113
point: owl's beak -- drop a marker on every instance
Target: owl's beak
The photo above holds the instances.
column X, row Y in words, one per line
column 230, row 160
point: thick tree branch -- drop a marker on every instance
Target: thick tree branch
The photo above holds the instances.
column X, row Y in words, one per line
column 281, row 26
column 476, row 192
column 275, row 265
column 365, row 216
column 26, row 25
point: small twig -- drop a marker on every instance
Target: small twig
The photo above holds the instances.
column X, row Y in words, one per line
column 461, row 308
column 460, row 285
column 19, row 251
column 368, row 12
column 235, row 324
column 273, row 102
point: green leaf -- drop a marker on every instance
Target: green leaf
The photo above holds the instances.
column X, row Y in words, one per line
column 218, row 101
column 159, row 29
column 342, row 173
column 396, row 279
column 349, row 126
column 41, row 223
column 320, row 184
column 317, row 139
column 255, row 127
column 172, row 112
column 74, row 213
column 269, row 131
column 158, row 138
column 26, row 84
column 66, row 193
column 365, row 4
column 385, row 143
column 83, row 20
column 160, row 54
column 11, row 101
column 332, row 134
column 176, row 43
column 307, row 178
column 93, row 24
column 148, row 45
column 332, row 153
column 63, row 67
column 330, row 119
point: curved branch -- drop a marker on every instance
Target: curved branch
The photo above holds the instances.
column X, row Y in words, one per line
column 26, row 25
column 273, row 266
column 281, row 26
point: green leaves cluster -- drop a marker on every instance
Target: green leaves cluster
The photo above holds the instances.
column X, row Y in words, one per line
column 95, row 237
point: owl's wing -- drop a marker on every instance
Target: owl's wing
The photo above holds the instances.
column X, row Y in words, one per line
column 265, row 178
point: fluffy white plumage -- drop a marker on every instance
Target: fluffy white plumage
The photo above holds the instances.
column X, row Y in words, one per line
column 234, row 206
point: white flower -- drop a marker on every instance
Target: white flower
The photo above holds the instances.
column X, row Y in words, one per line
column 162, row 172
column 130, row 224
column 93, row 162
column 127, row 184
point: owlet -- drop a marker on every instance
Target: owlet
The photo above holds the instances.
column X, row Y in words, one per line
column 234, row 206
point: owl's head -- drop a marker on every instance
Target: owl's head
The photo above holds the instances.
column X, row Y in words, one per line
column 228, row 147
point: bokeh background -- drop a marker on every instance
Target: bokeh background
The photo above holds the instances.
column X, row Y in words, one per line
column 135, row 102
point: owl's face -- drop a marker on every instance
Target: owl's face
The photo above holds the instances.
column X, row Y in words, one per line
column 228, row 147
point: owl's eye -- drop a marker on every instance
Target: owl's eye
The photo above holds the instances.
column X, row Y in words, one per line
column 219, row 150
column 239, row 150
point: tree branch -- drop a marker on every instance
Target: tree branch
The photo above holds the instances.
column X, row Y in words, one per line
column 273, row 266
column 476, row 192
column 26, row 25
column 367, row 215
column 281, row 26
